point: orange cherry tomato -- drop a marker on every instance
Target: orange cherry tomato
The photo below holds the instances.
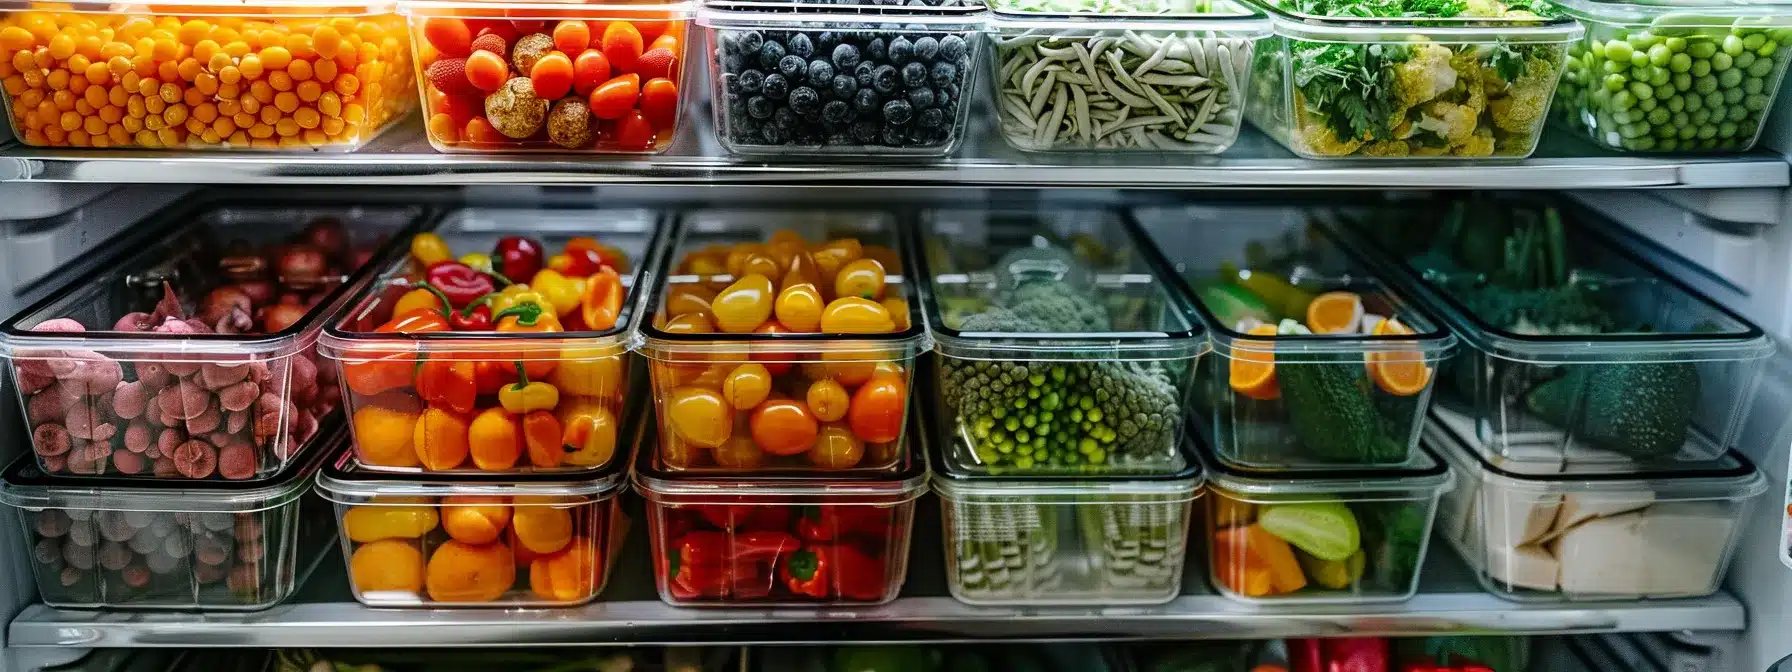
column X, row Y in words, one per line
column 800, row 270
column 784, row 427
column 761, row 264
column 699, row 322
column 589, row 71
column 898, row 312
column 601, row 302
column 622, row 44
column 828, row 399
column 856, row 315
column 877, row 408
column 736, row 259
column 744, row 305
column 863, row 278
column 746, row 386
column 699, row 416
column 634, row 132
column 835, row 255
column 739, row 453
column 836, row 448
column 799, row 307
column 775, row 362
column 615, row 98
column 659, row 103
column 686, row 298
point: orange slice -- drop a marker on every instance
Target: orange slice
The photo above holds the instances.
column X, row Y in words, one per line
column 1335, row 313
column 1401, row 373
column 1253, row 373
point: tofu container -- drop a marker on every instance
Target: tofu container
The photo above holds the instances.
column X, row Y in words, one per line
column 845, row 94
column 1349, row 536
column 122, row 544
column 183, row 401
column 469, row 541
column 1678, row 76
column 1530, row 537
column 1665, row 374
column 783, row 341
column 1295, row 104
column 284, row 75
column 779, row 539
column 1319, row 363
column 529, row 99
column 1173, row 81
column 397, row 430
column 1061, row 348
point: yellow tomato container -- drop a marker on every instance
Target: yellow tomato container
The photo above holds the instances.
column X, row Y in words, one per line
column 806, row 372
column 291, row 75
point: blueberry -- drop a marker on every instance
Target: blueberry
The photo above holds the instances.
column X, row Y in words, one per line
column 804, row 99
column 944, row 74
column 875, row 50
column 821, row 73
column 801, row 46
column 951, row 90
column 776, row 87
column 952, row 47
column 774, row 135
column 921, row 98
column 927, row 48
column 730, row 82
column 884, row 80
column 836, row 111
column 784, row 118
column 733, row 63
column 901, row 50
column 933, row 118
column 749, row 42
column 845, row 87
column 736, row 105
column 893, row 136
column 759, row 107
column 812, row 115
column 864, row 74
column 793, row 68
column 866, row 102
column 770, row 54
column 752, row 82
column 826, row 41
column 747, row 126
column 845, row 56
column 839, row 139
column 898, row 112
column 864, row 131
column 914, row 75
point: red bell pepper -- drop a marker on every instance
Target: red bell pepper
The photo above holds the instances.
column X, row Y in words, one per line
column 809, row 572
column 446, row 383
column 829, row 523
column 1353, row 654
column 516, row 257
column 746, row 517
column 705, row 563
column 858, row 575
column 475, row 316
column 691, row 582
column 460, row 283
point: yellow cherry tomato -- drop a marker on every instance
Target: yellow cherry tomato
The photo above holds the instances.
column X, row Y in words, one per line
column 856, row 315
column 862, row 278
column 800, row 270
column 828, row 399
column 699, row 416
column 898, row 312
column 761, row 264
column 691, row 323
column 744, row 305
column 686, row 298
column 845, row 368
column 739, row 453
column 736, row 261
column 705, row 265
column 417, row 299
column 835, row 255
column 785, row 252
column 785, row 236
column 836, row 448
column 429, row 249
column 799, row 308
column 883, row 255
column 588, row 372
column 746, row 386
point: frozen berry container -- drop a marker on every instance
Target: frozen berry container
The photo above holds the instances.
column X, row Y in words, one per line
column 808, row 78
column 550, row 75
column 193, row 357
column 522, row 374
column 287, row 75
column 791, row 539
column 1062, row 347
column 1348, row 536
column 783, row 340
column 133, row 544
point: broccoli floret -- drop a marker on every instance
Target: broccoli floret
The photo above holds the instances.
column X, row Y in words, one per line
column 1478, row 144
column 1140, row 403
column 1387, row 148
column 1319, row 139
column 1452, row 123
column 1054, row 306
column 1425, row 75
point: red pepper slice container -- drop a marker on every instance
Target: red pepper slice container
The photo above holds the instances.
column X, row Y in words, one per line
column 786, row 538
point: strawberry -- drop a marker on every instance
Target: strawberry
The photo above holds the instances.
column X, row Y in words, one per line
column 491, row 42
column 657, row 63
column 449, row 75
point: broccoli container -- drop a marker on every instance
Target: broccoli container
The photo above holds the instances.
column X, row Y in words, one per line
column 1317, row 362
column 1580, row 355
column 1445, row 79
column 1674, row 76
column 1347, row 536
column 1060, row 348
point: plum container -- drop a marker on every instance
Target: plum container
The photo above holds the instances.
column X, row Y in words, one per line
column 193, row 357
column 133, row 544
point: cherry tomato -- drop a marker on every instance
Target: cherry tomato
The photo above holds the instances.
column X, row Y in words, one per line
column 862, row 278
column 700, row 322
column 739, row 453
column 883, row 255
column 835, row 255
column 898, row 312
column 799, row 307
column 800, row 270
column 699, row 416
column 784, row 427
column 659, row 103
column 703, row 264
column 745, row 305
column 877, row 408
column 828, row 399
column 747, row 386
column 775, row 362
column 856, row 315
column 760, row 264
column 736, row 260
column 686, row 298
column 847, row 368
column 836, row 448
column 786, row 236
column 633, row 132
column 785, row 252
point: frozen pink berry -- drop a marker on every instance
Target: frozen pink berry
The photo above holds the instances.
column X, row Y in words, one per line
column 129, row 399
column 135, row 576
column 114, row 555
column 52, row 523
column 138, row 437
column 209, row 574
column 137, row 321
column 127, row 462
column 205, row 422
column 50, row 406
column 51, row 439
column 217, row 376
column 164, row 467
column 79, row 556
column 60, row 324
column 238, row 396
column 33, row 381
column 210, row 551
column 196, row 459
column 47, row 552
column 155, row 375
column 70, row 576
column 235, row 422
column 236, row 461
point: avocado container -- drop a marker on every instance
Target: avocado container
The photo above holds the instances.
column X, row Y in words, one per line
column 1665, row 532
column 1318, row 362
column 1061, row 349
column 1580, row 354
column 1347, row 536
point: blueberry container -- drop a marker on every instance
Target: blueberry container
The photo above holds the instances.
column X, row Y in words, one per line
column 813, row 79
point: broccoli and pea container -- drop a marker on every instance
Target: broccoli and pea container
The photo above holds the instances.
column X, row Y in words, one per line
column 1318, row 363
column 1445, row 79
column 1673, row 75
column 1580, row 355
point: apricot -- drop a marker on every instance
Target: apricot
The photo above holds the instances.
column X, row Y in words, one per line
column 387, row 565
column 462, row 572
column 542, row 528
column 370, row 523
column 475, row 519
column 441, row 439
column 524, row 556
column 495, row 439
column 383, row 436
column 567, row 575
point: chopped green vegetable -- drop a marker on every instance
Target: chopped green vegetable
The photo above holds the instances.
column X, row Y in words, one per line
column 1325, row 529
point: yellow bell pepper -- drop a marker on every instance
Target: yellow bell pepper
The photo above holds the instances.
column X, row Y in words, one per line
column 429, row 249
column 478, row 261
column 560, row 291
column 518, row 294
column 417, row 299
column 527, row 396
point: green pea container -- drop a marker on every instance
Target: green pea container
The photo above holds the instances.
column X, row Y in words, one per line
column 1674, row 76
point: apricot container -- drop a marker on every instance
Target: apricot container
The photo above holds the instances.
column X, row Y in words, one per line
column 395, row 431
column 182, row 401
column 709, row 421
column 286, row 75
column 133, row 544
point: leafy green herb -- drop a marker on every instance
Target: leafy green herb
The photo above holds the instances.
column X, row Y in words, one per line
column 1349, row 86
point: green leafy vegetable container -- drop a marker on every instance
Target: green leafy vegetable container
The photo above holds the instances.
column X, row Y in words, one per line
column 1165, row 79
column 1581, row 356
column 1407, row 87
column 1674, row 75
column 1347, row 536
column 1318, row 363
column 1061, row 348
column 1065, row 539
column 1664, row 532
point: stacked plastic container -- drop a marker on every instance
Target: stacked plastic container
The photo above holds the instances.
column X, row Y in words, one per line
column 782, row 346
column 1313, row 401
column 176, row 405
column 1064, row 369
column 1590, row 416
column 487, row 398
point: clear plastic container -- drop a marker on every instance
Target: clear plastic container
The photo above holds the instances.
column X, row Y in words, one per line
column 1661, row 533
column 288, row 75
column 898, row 79
column 449, row 540
column 1697, row 75
column 1349, row 536
column 459, row 409
column 783, row 340
column 722, row 540
column 192, row 357
column 557, row 75
column 1460, row 88
column 1169, row 82
column 1062, row 350
column 1596, row 362
column 1317, row 362
column 1066, row 539
column 117, row 544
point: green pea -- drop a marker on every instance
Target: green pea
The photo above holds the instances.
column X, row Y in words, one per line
column 1616, row 82
column 1732, row 96
column 1767, row 50
column 1659, row 77
column 1721, row 62
column 1682, row 120
column 1635, row 129
column 1781, row 35
column 1601, row 98
column 1622, row 117
column 1639, row 73
column 1755, row 102
column 1761, row 67
column 1623, row 100
column 1732, row 45
column 1744, row 60
column 1753, row 86
column 1659, row 116
column 1694, row 102
column 1754, row 41
column 1737, row 113
column 1697, row 49
column 1676, row 104
column 1618, row 50
column 1679, row 62
column 1687, row 132
column 1646, row 104
column 1642, row 40
column 1704, row 85
column 1699, row 68
column 1676, row 44
column 1668, row 145
column 1729, row 78
column 1639, row 59
column 1682, row 81
column 1726, row 130
column 1640, row 144
column 1714, row 99
column 1659, row 54
column 1707, row 132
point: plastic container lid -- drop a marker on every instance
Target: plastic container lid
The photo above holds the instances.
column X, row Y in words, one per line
column 1425, row 472
column 1235, row 19
column 1398, row 30
column 1730, row 477
column 214, row 7
column 1667, row 15
column 549, row 9
column 26, row 486
column 1100, row 9
column 791, row 15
